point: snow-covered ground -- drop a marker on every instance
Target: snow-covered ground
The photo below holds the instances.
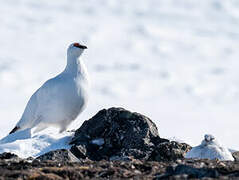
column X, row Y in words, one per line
column 174, row 61
column 25, row 144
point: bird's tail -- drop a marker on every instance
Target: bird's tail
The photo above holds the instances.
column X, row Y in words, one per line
column 14, row 129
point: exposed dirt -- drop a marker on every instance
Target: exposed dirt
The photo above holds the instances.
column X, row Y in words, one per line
column 134, row 169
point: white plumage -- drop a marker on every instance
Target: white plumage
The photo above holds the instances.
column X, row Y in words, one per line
column 210, row 148
column 61, row 99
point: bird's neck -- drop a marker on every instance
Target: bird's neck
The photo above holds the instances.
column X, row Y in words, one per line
column 75, row 66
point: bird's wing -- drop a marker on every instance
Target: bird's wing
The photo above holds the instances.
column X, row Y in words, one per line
column 38, row 102
column 46, row 99
column 49, row 92
column 29, row 114
column 52, row 96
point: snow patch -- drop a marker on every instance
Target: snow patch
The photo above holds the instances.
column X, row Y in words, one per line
column 99, row 141
column 25, row 145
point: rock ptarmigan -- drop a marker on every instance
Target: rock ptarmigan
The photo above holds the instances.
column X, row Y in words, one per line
column 59, row 100
column 210, row 148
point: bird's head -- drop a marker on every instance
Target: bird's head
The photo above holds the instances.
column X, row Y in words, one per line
column 208, row 139
column 75, row 49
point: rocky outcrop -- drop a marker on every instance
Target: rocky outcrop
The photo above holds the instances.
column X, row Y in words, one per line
column 236, row 155
column 8, row 156
column 118, row 134
column 117, row 144
column 59, row 155
column 169, row 151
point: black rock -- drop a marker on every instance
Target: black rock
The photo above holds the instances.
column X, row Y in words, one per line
column 187, row 171
column 116, row 132
column 7, row 155
column 57, row 155
column 169, row 151
column 236, row 155
column 79, row 151
column 136, row 169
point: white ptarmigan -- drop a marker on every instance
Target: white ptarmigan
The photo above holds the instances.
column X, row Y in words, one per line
column 210, row 148
column 59, row 100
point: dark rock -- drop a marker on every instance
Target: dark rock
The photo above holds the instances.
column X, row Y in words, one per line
column 236, row 155
column 169, row 151
column 79, row 151
column 135, row 169
column 7, row 155
column 116, row 132
column 57, row 155
column 119, row 127
column 191, row 172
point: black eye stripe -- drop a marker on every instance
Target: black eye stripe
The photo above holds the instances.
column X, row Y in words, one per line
column 79, row 46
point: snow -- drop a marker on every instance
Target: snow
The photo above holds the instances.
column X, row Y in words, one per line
column 210, row 148
column 176, row 139
column 99, row 141
column 25, row 144
column 174, row 61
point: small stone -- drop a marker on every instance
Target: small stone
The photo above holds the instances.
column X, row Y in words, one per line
column 61, row 155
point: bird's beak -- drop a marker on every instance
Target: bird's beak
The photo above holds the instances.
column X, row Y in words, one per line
column 80, row 46
column 83, row 47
